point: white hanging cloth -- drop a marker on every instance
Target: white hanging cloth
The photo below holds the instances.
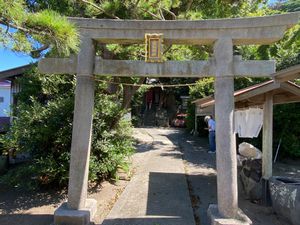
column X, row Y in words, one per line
column 240, row 122
column 248, row 123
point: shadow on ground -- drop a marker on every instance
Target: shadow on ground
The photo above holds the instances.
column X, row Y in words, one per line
column 27, row 207
column 144, row 221
column 164, row 206
column 159, row 203
column 200, row 171
column 26, row 219
column 13, row 200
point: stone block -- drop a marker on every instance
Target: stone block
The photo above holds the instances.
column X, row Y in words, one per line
column 66, row 216
column 285, row 196
column 216, row 219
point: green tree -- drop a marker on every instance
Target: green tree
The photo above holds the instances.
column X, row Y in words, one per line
column 22, row 30
column 286, row 117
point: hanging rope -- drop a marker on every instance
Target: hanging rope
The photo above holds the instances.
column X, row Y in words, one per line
column 135, row 85
column 146, row 85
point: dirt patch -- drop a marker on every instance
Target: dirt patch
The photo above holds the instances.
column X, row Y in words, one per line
column 28, row 208
column 106, row 196
column 21, row 207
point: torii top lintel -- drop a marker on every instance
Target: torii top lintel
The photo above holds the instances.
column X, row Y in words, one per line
column 243, row 31
column 223, row 33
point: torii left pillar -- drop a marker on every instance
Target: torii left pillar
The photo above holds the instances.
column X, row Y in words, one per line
column 79, row 209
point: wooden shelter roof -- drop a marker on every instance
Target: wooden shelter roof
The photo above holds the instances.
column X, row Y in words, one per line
column 17, row 71
column 284, row 92
column 290, row 73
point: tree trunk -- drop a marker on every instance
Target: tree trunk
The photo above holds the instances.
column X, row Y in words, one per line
column 128, row 93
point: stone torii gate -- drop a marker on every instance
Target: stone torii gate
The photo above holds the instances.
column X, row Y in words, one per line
column 223, row 34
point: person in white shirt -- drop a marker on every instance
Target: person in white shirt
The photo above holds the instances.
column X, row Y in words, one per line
column 211, row 133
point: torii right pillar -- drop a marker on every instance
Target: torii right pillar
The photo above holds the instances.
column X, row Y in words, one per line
column 224, row 110
column 227, row 211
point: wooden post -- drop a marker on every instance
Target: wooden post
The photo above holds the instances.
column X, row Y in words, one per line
column 267, row 137
column 196, row 125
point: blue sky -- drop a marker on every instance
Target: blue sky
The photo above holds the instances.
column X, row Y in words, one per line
column 9, row 59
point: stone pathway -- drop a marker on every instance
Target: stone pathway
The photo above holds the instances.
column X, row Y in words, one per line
column 158, row 192
column 174, row 183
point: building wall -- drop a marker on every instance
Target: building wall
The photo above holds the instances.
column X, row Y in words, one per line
column 5, row 100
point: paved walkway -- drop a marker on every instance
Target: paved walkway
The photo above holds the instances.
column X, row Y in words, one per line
column 158, row 192
column 168, row 183
column 201, row 173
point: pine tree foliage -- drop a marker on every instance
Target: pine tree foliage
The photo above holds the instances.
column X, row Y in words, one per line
column 33, row 32
column 288, row 6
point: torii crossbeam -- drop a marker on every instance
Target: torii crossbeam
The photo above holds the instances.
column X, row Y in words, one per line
column 223, row 34
column 134, row 68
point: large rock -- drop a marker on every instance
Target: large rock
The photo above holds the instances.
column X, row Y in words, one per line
column 249, row 151
column 250, row 175
column 285, row 196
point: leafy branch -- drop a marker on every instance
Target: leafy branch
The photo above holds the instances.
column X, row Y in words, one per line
column 98, row 7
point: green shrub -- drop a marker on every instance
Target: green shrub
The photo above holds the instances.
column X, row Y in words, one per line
column 111, row 146
column 43, row 127
column 21, row 176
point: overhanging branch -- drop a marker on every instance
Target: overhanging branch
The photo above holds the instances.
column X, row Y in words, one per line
column 100, row 9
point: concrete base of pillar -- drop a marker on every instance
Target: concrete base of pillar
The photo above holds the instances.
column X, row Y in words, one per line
column 217, row 219
column 63, row 215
